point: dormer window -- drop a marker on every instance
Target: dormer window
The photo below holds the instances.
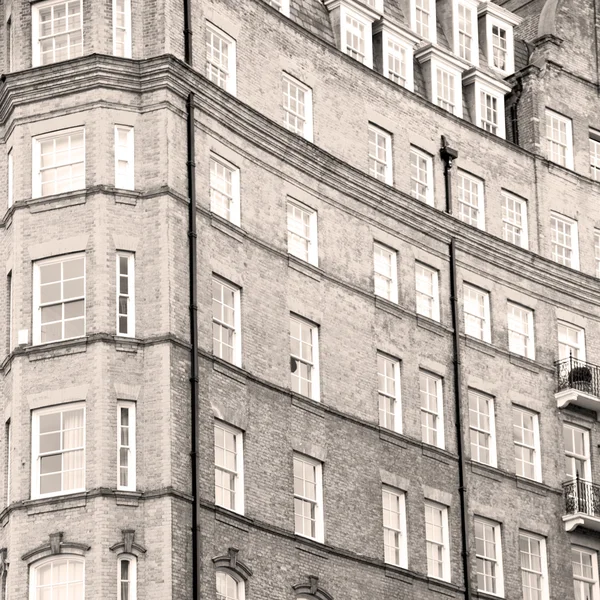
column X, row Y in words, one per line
column 393, row 53
column 283, row 6
column 352, row 22
column 496, row 32
column 485, row 96
column 423, row 18
column 466, row 45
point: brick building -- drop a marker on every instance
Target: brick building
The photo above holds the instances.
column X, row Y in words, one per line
column 381, row 305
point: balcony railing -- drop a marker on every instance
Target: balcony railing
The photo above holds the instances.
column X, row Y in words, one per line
column 582, row 496
column 577, row 382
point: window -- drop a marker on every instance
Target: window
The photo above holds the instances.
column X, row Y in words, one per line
column 9, row 48
column 571, row 341
column 124, row 153
column 467, row 47
column 283, row 6
column 394, row 527
column 302, row 232
column 126, row 445
column 565, row 245
column 424, row 19
column 380, row 154
column 355, row 38
column 58, row 450
column 58, row 162
column 127, row 578
column 489, row 112
column 421, row 176
column 499, row 48
column 10, row 177
column 482, row 428
column 446, row 95
column 396, row 62
column 388, row 372
column 308, row 497
column 595, row 155
column 304, row 357
column 220, row 58
column 386, row 272
column 224, row 189
column 488, row 551
column 470, row 200
column 229, row 588
column 432, row 422
column 436, row 535
column 122, row 28
column 597, row 251
column 297, row 107
column 477, row 313
column 514, row 220
column 428, row 297
column 57, row 31
column 125, row 294
column 577, row 452
column 526, row 436
column 229, row 464
column 520, row 331
column 59, row 298
column 559, row 134
column 59, row 577
column 585, row 573
column 227, row 343
column 534, row 570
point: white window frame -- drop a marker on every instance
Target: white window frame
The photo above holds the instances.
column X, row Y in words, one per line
column 36, row 159
column 238, row 474
column 597, row 251
column 578, row 348
column 573, row 262
column 480, row 208
column 439, row 421
column 401, row 548
column 434, row 299
column 315, row 376
column 130, row 447
column 306, row 131
column 492, row 21
column 35, row 448
column 376, row 134
column 441, row 100
column 10, row 177
column 594, row 155
column 529, row 337
column 240, row 588
column 60, row 558
column 132, row 560
column 318, row 502
column 476, row 427
column 397, row 44
column 237, row 321
column 537, row 462
column 476, row 294
column 126, row 182
column 283, row 6
column 126, row 28
column 230, row 81
column 543, row 573
column 445, row 543
column 384, row 396
column 497, row 561
column 431, row 25
column 417, row 155
column 130, row 296
column 594, row 565
column 345, row 14
column 510, row 222
column 552, row 118
column 36, row 54
column 572, row 454
column 233, row 197
column 37, row 308
column 470, row 7
column 312, row 253
column 393, row 280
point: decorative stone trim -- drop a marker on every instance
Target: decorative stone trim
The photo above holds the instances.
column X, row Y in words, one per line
column 128, row 545
column 230, row 561
column 313, row 589
column 54, row 546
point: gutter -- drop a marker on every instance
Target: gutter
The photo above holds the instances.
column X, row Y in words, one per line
column 448, row 156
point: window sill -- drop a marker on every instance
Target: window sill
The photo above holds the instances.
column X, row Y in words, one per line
column 312, row 406
column 55, row 349
column 388, row 306
column 303, row 267
column 37, row 506
column 522, row 361
column 225, row 368
column 481, row 345
column 227, row 227
column 432, row 325
column 441, row 586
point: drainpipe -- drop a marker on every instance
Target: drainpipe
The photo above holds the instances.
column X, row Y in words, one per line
column 187, row 31
column 448, row 155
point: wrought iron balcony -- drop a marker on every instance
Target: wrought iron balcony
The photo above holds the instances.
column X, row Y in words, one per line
column 582, row 504
column 577, row 382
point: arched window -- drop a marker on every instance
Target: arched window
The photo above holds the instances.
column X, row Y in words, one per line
column 57, row 577
column 228, row 587
column 127, row 577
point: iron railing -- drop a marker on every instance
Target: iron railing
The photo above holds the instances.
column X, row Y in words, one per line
column 575, row 374
column 582, row 496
